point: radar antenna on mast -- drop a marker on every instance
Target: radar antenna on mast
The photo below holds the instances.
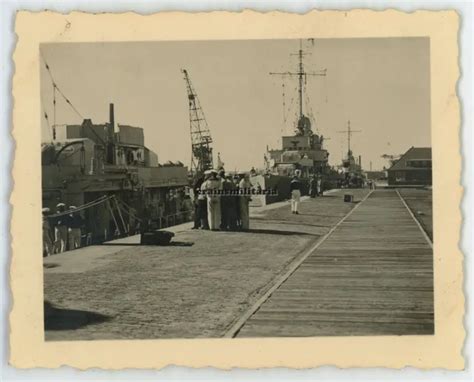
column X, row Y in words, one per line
column 201, row 150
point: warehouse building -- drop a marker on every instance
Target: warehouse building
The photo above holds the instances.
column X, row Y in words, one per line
column 412, row 169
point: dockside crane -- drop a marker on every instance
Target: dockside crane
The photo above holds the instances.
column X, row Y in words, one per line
column 201, row 150
column 392, row 159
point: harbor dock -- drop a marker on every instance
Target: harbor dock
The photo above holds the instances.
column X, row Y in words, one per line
column 372, row 276
column 337, row 268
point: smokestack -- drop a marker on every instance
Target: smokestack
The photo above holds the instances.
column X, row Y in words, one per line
column 360, row 161
column 111, row 119
column 110, row 136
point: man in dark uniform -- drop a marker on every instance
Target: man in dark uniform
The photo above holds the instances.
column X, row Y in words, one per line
column 61, row 224
column 313, row 191
column 236, row 202
column 47, row 242
column 198, row 210
column 75, row 229
column 228, row 204
column 224, row 200
column 146, row 219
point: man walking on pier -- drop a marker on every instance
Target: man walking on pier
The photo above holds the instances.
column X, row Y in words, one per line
column 212, row 187
column 295, row 188
column 319, row 182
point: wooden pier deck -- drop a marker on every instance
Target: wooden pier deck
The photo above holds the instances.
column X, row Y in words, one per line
column 373, row 275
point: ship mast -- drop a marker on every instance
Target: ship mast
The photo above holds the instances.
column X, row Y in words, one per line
column 349, row 133
column 301, row 74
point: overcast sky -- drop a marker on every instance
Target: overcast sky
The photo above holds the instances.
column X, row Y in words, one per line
column 381, row 85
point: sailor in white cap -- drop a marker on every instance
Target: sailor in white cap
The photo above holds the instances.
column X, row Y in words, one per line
column 47, row 241
column 202, row 202
column 60, row 229
column 212, row 187
column 74, row 229
column 244, row 188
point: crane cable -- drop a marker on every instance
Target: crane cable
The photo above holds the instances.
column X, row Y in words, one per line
column 57, row 89
column 45, row 115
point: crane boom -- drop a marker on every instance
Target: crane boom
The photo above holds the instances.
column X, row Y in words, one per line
column 201, row 150
column 392, row 159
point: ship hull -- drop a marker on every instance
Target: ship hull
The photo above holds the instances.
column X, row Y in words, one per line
column 277, row 188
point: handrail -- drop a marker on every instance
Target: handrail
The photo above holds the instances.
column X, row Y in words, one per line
column 167, row 218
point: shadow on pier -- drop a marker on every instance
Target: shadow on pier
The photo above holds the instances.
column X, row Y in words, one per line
column 278, row 232
column 70, row 319
column 171, row 244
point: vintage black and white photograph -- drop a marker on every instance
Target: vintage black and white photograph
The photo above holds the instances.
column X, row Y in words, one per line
column 236, row 188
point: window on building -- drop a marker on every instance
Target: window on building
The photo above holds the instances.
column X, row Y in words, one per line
column 400, row 176
column 419, row 163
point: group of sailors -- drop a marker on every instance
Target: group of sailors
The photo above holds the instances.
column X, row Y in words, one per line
column 61, row 231
column 352, row 180
column 221, row 201
column 218, row 207
column 372, row 184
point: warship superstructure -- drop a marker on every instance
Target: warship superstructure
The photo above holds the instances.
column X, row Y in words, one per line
column 304, row 150
column 107, row 172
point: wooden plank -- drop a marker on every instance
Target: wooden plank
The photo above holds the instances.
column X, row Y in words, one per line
column 313, row 329
column 293, row 318
column 346, row 304
column 372, row 276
